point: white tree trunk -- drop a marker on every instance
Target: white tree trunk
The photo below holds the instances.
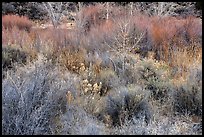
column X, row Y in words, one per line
column 107, row 10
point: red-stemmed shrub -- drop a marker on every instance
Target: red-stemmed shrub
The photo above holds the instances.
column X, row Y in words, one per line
column 14, row 36
column 171, row 33
column 21, row 22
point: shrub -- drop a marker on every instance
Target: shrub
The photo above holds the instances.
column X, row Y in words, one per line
column 130, row 74
column 17, row 38
column 128, row 34
column 101, row 35
column 125, row 103
column 78, row 122
column 72, row 60
column 11, row 56
column 92, row 104
column 109, row 80
column 99, row 83
column 169, row 33
column 184, row 58
column 88, row 17
column 22, row 23
column 34, row 97
column 164, row 126
column 133, row 127
column 30, row 9
column 188, row 97
column 156, row 77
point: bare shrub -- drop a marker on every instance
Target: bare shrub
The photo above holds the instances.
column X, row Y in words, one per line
column 182, row 9
column 164, row 126
column 33, row 98
column 77, row 122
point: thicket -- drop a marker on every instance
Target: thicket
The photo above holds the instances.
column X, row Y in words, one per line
column 128, row 74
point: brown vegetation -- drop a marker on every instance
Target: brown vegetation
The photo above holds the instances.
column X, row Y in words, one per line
column 104, row 75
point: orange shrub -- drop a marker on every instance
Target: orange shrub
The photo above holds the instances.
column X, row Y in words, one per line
column 95, row 15
column 22, row 23
column 170, row 33
column 100, row 31
column 142, row 21
column 89, row 16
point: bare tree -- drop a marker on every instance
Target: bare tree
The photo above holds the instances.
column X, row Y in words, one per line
column 162, row 8
column 107, row 10
column 79, row 6
column 131, row 8
column 52, row 13
column 126, row 38
column 79, row 18
column 56, row 10
column 166, row 8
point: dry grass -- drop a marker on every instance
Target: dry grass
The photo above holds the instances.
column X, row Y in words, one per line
column 183, row 60
column 72, row 61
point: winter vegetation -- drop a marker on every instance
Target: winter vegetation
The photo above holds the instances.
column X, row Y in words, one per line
column 109, row 68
